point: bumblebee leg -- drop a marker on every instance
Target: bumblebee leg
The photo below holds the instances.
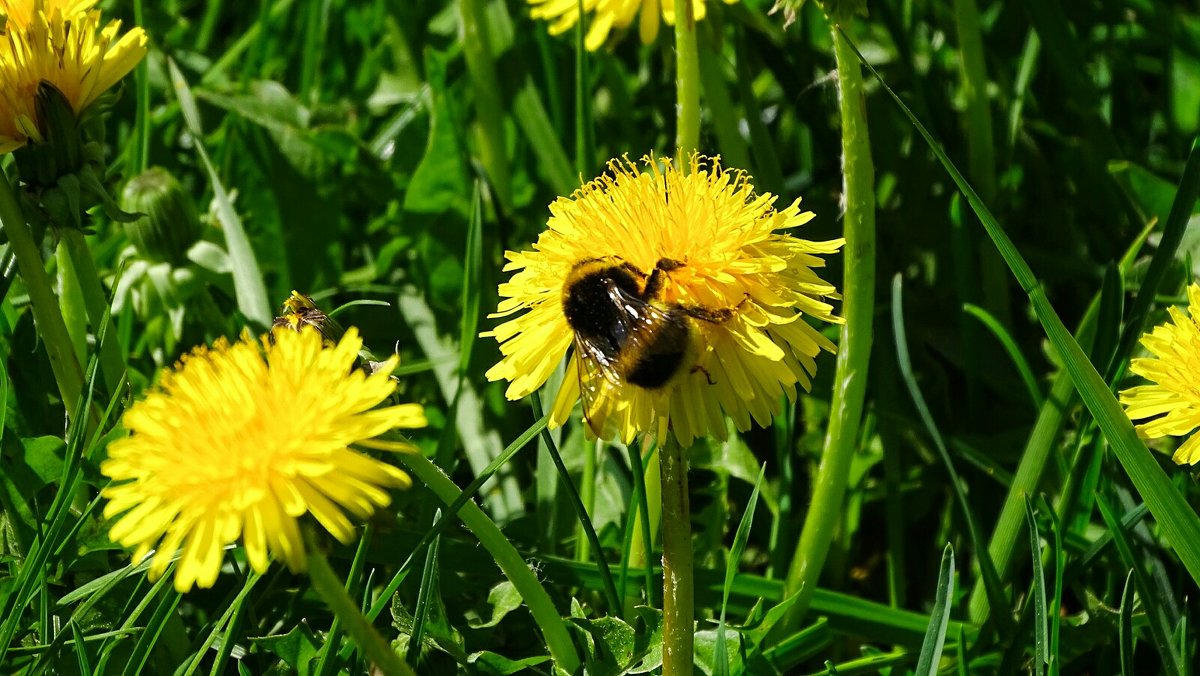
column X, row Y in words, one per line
column 654, row 285
column 707, row 376
column 718, row 316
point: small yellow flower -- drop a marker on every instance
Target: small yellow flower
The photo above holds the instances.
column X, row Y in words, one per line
column 684, row 298
column 609, row 15
column 1172, row 402
column 59, row 42
column 241, row 441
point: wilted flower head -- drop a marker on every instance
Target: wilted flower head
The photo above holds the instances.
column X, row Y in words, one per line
column 682, row 294
column 1170, row 405
column 240, row 441
column 610, row 15
column 59, row 43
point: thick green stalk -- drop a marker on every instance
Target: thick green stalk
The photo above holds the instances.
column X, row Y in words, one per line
column 344, row 608
column 554, row 630
column 687, row 82
column 854, row 349
column 489, row 106
column 95, row 301
column 52, row 329
column 678, row 612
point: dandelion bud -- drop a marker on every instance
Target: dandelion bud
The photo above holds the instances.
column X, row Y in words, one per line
column 57, row 148
column 168, row 225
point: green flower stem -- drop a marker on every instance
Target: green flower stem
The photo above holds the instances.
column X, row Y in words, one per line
column 687, row 82
column 489, row 106
column 678, row 611
column 334, row 593
column 554, row 630
column 67, row 372
column 854, row 349
column 95, row 301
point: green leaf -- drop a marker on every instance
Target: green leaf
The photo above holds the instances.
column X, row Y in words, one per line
column 44, row 455
column 495, row 664
column 296, row 648
column 440, row 181
column 708, row 652
column 502, row 599
column 612, row 644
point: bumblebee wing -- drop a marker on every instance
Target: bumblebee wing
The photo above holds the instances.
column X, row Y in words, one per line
column 598, row 385
column 641, row 324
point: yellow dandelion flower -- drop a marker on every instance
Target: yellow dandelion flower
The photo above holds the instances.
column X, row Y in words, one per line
column 53, row 41
column 241, row 441
column 1172, row 403
column 18, row 14
column 682, row 295
column 609, row 15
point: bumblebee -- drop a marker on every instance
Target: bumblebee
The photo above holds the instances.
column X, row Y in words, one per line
column 624, row 332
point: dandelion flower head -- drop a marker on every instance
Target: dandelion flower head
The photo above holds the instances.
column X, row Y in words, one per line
column 728, row 267
column 62, row 43
column 610, row 15
column 243, row 439
column 1170, row 404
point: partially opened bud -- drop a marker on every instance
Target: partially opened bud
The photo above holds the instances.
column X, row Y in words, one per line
column 167, row 225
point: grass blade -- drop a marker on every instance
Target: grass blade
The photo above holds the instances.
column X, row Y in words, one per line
column 1040, row 653
column 1178, row 521
column 735, row 555
column 1155, row 614
column 1125, row 632
column 385, row 597
column 1164, row 257
column 1014, row 352
column 987, row 569
column 585, row 520
column 1054, row 612
column 247, row 277
column 935, row 635
column 428, row 574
